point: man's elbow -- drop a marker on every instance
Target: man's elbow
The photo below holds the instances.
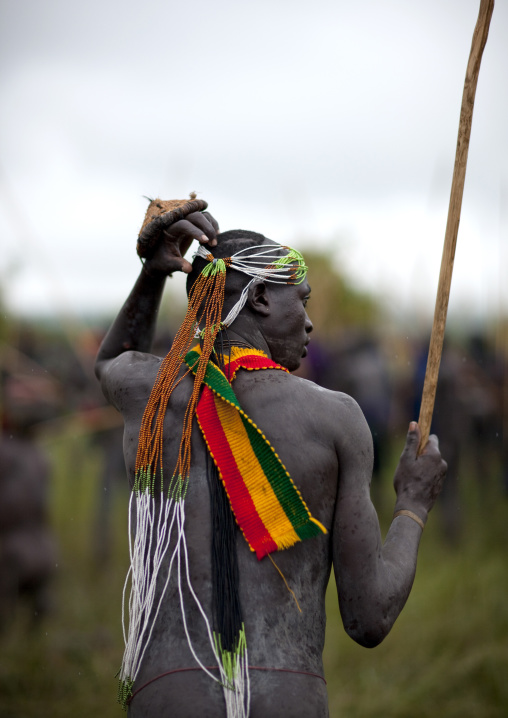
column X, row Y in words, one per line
column 101, row 365
column 368, row 634
column 98, row 368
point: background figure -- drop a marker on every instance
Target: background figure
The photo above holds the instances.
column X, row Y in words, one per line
column 103, row 427
column 356, row 365
column 468, row 420
column 482, row 399
column 28, row 554
column 450, row 420
column 112, row 480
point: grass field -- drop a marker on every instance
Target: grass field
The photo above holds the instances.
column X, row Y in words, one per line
column 447, row 656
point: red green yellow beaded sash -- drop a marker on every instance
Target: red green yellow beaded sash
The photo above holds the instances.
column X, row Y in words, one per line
column 267, row 506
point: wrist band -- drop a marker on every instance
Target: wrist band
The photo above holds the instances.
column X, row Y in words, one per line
column 405, row 512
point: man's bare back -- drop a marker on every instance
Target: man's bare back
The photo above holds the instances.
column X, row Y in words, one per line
column 325, row 444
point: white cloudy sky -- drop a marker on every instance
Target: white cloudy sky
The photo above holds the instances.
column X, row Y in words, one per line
column 327, row 123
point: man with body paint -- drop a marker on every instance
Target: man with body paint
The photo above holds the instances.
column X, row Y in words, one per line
column 179, row 662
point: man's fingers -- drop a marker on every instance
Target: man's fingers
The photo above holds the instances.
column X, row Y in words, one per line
column 209, row 229
column 194, row 226
column 175, row 239
column 212, row 221
column 184, row 231
column 186, row 266
column 179, row 264
column 434, row 440
column 197, row 225
column 431, row 445
column 167, row 262
column 413, row 441
column 413, row 438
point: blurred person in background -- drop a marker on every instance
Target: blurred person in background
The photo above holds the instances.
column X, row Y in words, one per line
column 28, row 551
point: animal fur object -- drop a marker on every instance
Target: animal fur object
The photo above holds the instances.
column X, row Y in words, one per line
column 161, row 214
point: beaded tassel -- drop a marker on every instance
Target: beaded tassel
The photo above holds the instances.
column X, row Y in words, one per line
column 160, row 514
column 205, row 304
column 155, row 526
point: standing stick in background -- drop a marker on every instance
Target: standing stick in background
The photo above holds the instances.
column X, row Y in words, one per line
column 480, row 34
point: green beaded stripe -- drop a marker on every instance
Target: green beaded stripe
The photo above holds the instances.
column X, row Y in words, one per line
column 283, row 487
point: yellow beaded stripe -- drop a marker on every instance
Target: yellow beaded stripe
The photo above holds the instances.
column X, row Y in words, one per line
column 256, row 482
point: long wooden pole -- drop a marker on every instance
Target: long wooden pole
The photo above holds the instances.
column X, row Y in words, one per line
column 480, row 35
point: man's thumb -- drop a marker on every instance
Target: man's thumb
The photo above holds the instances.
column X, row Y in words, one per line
column 413, row 436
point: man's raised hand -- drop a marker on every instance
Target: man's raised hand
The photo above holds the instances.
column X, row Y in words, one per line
column 176, row 239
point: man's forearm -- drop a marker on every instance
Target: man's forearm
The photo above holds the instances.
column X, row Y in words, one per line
column 380, row 575
column 134, row 327
column 374, row 578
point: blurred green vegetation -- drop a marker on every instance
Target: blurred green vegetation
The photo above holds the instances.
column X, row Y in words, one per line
column 65, row 666
column 447, row 655
column 335, row 302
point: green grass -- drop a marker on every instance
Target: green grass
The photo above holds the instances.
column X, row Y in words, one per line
column 446, row 657
column 66, row 666
column 447, row 654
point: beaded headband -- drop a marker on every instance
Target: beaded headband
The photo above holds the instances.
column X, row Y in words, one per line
column 263, row 265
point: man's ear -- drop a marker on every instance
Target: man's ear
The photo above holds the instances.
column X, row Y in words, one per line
column 258, row 299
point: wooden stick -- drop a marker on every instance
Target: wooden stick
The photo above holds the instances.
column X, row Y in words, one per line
column 480, row 35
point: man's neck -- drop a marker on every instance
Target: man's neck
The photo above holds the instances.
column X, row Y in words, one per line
column 243, row 337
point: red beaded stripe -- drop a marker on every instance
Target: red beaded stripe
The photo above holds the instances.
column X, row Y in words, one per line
column 251, row 361
column 242, row 504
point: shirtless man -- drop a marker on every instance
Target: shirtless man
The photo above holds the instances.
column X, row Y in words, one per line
column 324, row 442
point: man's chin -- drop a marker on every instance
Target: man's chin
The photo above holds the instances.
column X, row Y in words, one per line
column 291, row 365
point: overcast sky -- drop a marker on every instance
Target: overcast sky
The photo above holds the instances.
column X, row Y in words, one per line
column 322, row 123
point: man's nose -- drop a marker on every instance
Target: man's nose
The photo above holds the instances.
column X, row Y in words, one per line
column 309, row 326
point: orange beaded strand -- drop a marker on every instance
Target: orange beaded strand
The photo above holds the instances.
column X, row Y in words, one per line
column 206, row 301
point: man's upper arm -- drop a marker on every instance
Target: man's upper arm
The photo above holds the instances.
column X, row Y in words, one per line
column 125, row 379
column 356, row 543
column 355, row 523
column 353, row 441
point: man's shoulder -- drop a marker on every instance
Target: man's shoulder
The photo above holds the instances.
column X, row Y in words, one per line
column 311, row 426
column 304, row 389
column 336, row 418
column 293, row 395
column 128, row 375
column 131, row 365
